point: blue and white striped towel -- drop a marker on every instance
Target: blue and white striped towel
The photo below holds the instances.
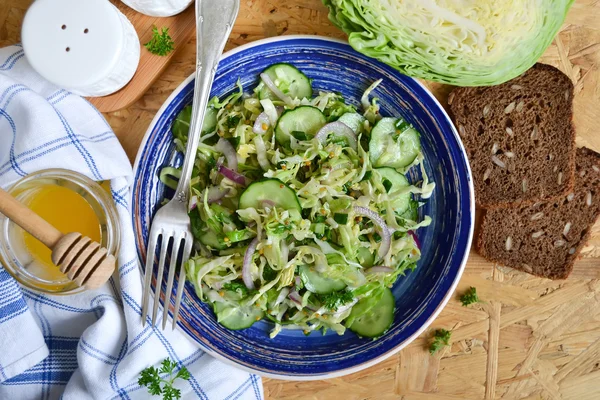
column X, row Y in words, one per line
column 90, row 345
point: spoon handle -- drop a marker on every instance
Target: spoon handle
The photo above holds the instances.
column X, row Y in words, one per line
column 28, row 220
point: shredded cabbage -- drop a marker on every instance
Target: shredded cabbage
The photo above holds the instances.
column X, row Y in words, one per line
column 325, row 234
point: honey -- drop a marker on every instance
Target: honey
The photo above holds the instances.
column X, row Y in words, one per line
column 71, row 202
column 68, row 212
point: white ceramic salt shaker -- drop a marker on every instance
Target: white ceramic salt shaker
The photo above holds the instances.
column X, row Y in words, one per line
column 85, row 46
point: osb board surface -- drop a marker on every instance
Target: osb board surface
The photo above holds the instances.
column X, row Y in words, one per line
column 532, row 338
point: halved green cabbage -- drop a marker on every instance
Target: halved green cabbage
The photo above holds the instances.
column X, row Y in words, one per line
column 460, row 42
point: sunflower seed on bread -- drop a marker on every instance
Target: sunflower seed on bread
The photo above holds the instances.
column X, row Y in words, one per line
column 527, row 122
column 545, row 239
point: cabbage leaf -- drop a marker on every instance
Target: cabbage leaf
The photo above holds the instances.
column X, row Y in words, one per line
column 459, row 42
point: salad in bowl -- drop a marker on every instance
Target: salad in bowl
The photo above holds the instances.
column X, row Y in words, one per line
column 301, row 208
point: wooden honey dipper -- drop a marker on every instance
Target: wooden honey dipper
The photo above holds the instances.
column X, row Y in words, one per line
column 81, row 259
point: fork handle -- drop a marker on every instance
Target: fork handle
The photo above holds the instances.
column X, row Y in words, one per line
column 215, row 20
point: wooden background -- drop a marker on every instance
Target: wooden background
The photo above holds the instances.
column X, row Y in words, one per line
column 532, row 338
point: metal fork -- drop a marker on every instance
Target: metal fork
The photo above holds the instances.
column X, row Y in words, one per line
column 214, row 21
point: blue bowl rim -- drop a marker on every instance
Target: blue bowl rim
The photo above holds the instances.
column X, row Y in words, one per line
column 440, row 306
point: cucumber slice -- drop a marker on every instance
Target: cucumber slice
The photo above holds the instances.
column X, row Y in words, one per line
column 236, row 318
column 365, row 257
column 395, row 181
column 317, row 283
column 354, row 121
column 210, row 120
column 269, row 191
column 239, row 235
column 289, row 79
column 304, row 119
column 210, row 238
column 394, row 143
column 181, row 125
column 377, row 319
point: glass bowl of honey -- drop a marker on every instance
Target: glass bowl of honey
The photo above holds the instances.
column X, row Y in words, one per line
column 72, row 203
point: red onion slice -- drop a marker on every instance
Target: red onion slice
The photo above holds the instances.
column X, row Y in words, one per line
column 386, row 236
column 261, row 153
column 271, row 111
column 263, row 120
column 234, row 176
column 417, row 241
column 229, row 152
column 271, row 85
column 380, row 269
column 337, row 128
column 246, row 275
column 295, row 297
column 216, row 193
column 261, row 124
column 193, row 203
column 218, row 286
column 282, row 295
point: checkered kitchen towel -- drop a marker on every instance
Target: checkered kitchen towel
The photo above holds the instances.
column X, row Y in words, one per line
column 90, row 345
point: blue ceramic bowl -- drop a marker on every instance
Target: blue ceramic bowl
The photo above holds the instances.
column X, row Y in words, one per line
column 420, row 296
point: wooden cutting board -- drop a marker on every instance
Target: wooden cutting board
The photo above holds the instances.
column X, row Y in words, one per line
column 181, row 28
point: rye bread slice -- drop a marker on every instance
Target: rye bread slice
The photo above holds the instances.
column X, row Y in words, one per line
column 544, row 239
column 519, row 137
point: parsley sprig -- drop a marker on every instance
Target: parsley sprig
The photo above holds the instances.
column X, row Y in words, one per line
column 469, row 297
column 161, row 43
column 441, row 338
column 150, row 377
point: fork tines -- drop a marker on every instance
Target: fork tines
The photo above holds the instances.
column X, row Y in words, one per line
column 180, row 248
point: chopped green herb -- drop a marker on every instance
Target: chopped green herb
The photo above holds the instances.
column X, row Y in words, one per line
column 398, row 234
column 469, row 297
column 150, row 377
column 196, row 223
column 235, row 141
column 280, row 228
column 233, row 121
column 269, row 273
column 161, row 43
column 239, row 287
column 335, row 299
column 320, row 218
column 387, row 185
column 441, row 338
column 340, row 218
